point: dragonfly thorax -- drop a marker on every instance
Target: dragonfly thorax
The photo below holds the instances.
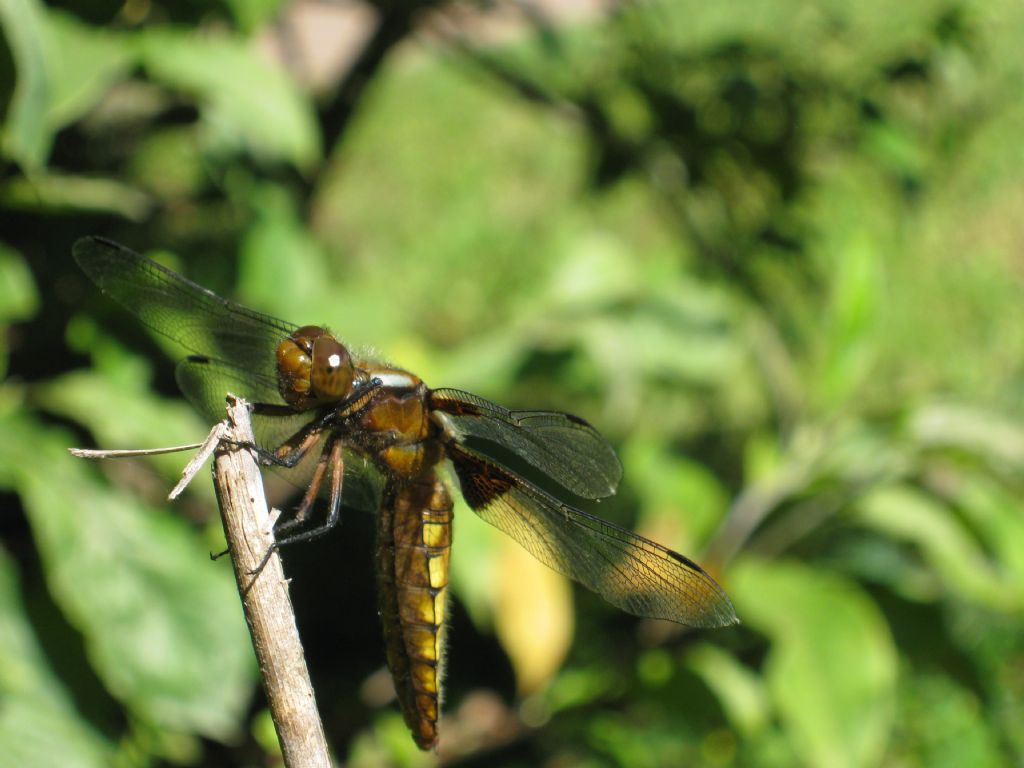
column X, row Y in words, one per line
column 313, row 368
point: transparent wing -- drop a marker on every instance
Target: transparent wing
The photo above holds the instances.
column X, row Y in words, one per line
column 198, row 319
column 206, row 382
column 629, row 571
column 564, row 447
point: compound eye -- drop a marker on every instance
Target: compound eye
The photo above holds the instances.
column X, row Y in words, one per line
column 293, row 370
column 333, row 372
column 307, row 335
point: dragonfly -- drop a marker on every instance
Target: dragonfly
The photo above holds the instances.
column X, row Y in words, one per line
column 352, row 428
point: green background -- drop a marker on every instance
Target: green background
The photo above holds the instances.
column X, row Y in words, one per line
column 771, row 249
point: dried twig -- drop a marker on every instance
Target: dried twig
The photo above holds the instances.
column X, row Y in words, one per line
column 268, row 609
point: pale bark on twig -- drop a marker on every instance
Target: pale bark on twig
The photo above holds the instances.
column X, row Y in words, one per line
column 265, row 600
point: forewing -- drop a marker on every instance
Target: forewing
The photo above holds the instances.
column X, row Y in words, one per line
column 198, row 319
column 564, row 447
column 629, row 571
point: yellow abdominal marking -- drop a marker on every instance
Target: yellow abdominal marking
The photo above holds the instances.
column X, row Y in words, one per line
column 435, row 535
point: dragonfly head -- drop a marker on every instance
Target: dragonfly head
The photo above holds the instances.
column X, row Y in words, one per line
column 313, row 368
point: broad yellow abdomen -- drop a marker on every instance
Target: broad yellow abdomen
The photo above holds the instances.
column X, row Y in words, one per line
column 414, row 542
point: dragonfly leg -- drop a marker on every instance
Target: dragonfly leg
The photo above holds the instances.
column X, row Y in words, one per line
column 309, row 497
column 334, row 457
column 292, row 451
column 301, row 512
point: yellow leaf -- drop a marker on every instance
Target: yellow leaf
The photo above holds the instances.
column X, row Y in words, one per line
column 533, row 616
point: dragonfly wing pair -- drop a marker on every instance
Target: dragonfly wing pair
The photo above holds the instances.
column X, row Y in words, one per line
column 629, row 571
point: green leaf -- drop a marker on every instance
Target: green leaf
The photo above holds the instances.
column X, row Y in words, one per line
column 831, row 669
column 996, row 437
column 849, row 342
column 995, row 512
column 896, row 147
column 598, row 269
column 944, row 724
column 84, row 62
column 679, row 318
column 18, row 297
column 62, row 67
column 294, row 287
column 51, row 192
column 169, row 163
column 252, row 15
column 246, row 102
column 909, row 515
column 39, row 726
column 742, row 693
column 26, row 139
column 161, row 623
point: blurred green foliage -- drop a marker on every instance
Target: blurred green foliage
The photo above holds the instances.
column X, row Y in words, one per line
column 769, row 248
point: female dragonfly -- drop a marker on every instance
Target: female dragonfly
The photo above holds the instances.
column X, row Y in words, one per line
column 345, row 422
